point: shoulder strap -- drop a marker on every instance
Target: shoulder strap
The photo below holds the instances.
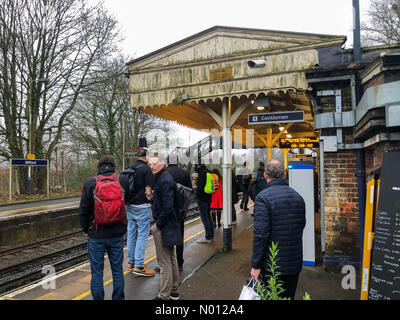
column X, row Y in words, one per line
column 134, row 166
column 114, row 176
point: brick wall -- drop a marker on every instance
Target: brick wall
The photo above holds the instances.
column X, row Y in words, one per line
column 341, row 204
column 374, row 155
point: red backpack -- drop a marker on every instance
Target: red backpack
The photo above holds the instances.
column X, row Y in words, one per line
column 109, row 201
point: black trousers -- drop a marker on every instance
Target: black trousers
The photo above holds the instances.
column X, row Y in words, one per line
column 216, row 216
column 245, row 198
column 289, row 284
column 179, row 249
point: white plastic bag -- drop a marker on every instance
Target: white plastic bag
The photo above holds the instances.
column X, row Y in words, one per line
column 248, row 292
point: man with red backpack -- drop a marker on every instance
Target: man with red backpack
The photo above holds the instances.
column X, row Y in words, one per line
column 102, row 217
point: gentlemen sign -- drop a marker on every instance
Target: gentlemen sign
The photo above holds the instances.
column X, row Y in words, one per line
column 291, row 143
column 27, row 162
column 276, row 117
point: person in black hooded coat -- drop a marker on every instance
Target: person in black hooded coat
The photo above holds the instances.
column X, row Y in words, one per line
column 103, row 238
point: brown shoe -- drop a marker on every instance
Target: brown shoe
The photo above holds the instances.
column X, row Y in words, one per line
column 174, row 296
column 131, row 266
column 145, row 272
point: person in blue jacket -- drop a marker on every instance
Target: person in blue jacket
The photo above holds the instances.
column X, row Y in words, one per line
column 279, row 217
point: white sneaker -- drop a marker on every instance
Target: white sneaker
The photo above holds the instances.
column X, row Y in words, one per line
column 204, row 241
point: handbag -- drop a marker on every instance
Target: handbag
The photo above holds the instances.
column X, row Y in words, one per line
column 248, row 292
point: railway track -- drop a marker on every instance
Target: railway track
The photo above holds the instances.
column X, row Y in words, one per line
column 24, row 265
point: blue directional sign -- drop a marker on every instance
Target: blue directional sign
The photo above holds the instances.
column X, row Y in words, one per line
column 27, row 162
column 276, row 117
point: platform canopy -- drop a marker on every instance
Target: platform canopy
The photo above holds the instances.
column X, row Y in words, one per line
column 208, row 81
column 190, row 81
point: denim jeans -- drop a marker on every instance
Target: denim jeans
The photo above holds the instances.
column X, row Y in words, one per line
column 204, row 208
column 115, row 250
column 138, row 232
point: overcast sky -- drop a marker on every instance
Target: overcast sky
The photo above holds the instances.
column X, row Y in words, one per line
column 153, row 24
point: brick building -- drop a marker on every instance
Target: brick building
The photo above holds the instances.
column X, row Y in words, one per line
column 357, row 114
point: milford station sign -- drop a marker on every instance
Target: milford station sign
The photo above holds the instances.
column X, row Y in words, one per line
column 29, row 162
column 306, row 142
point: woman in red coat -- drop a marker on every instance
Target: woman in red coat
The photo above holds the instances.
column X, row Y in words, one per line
column 216, row 201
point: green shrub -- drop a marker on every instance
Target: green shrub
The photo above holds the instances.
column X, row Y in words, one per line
column 273, row 289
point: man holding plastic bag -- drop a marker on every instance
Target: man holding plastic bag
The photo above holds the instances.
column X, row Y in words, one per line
column 279, row 216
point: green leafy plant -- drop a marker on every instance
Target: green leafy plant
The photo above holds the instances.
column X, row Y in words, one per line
column 274, row 287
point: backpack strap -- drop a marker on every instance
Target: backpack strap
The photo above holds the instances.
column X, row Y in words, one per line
column 114, row 176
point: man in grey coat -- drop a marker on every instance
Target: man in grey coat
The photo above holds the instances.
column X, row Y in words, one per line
column 279, row 217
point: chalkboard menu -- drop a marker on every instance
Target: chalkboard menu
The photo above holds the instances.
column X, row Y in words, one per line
column 385, row 267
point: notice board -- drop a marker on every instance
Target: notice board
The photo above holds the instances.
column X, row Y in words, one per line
column 385, row 266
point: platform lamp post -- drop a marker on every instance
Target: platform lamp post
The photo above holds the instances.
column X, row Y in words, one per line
column 31, row 81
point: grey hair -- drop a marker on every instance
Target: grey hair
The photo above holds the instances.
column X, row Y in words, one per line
column 274, row 169
column 160, row 155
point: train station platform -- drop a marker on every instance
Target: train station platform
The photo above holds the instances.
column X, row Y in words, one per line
column 37, row 207
column 208, row 273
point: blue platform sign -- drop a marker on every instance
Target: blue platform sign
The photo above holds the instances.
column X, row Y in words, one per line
column 276, row 117
column 27, row 162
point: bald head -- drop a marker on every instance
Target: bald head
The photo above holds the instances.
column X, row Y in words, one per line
column 274, row 169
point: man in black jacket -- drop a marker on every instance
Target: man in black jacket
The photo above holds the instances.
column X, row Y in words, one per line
column 180, row 176
column 166, row 229
column 279, row 217
column 107, row 238
column 138, row 213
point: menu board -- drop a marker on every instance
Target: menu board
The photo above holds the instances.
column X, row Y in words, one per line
column 385, row 267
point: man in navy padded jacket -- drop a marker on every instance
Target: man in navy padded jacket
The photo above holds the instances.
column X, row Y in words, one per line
column 279, row 217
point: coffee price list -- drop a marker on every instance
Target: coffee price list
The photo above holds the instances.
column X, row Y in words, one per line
column 385, row 267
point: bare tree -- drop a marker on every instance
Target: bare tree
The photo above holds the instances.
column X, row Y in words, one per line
column 383, row 24
column 51, row 51
column 102, row 121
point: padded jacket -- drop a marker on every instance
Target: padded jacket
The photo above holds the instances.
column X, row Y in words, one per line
column 164, row 212
column 279, row 216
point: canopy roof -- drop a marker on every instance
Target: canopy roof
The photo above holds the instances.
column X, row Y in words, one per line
column 211, row 67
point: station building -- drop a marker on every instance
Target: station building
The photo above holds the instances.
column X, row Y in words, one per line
column 350, row 100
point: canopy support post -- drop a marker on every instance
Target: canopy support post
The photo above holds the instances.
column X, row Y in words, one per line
column 227, row 177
